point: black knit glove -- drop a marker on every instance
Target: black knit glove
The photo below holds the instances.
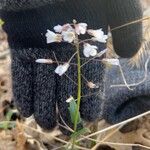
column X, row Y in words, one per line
column 36, row 87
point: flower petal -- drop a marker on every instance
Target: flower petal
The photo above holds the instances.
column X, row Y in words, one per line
column 89, row 50
column 58, row 28
column 81, row 28
column 93, row 52
column 61, row 69
column 69, row 99
column 52, row 37
column 98, row 35
column 68, row 36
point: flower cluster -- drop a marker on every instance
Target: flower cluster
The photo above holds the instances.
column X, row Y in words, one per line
column 69, row 33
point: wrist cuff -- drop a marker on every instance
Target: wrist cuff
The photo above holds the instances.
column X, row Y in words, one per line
column 14, row 5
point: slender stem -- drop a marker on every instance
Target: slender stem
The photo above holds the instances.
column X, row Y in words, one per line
column 79, row 89
column 79, row 86
column 87, row 40
column 72, row 57
column 124, row 79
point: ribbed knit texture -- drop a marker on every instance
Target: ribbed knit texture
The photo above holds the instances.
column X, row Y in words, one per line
column 36, row 87
column 126, row 40
column 121, row 103
column 15, row 5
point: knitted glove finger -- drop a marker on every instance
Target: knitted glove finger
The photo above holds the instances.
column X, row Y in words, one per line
column 22, row 72
column 121, row 103
column 44, row 95
column 43, row 85
column 126, row 33
column 92, row 97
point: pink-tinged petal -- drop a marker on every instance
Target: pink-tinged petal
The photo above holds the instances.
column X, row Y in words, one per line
column 81, row 28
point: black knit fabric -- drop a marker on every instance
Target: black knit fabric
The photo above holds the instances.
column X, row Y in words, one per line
column 36, row 87
column 16, row 5
column 126, row 40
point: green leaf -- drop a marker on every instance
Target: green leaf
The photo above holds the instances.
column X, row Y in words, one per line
column 73, row 109
column 1, row 22
column 80, row 132
column 9, row 115
column 2, row 125
column 6, row 125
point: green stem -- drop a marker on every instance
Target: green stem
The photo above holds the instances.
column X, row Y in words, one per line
column 79, row 88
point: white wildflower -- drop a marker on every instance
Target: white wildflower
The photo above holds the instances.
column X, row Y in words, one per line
column 69, row 99
column 111, row 61
column 58, row 28
column 68, row 36
column 98, row 35
column 65, row 27
column 90, row 50
column 61, row 69
column 53, row 37
column 44, row 61
column 81, row 28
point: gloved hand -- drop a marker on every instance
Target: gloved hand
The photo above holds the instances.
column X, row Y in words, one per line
column 120, row 102
column 36, row 87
